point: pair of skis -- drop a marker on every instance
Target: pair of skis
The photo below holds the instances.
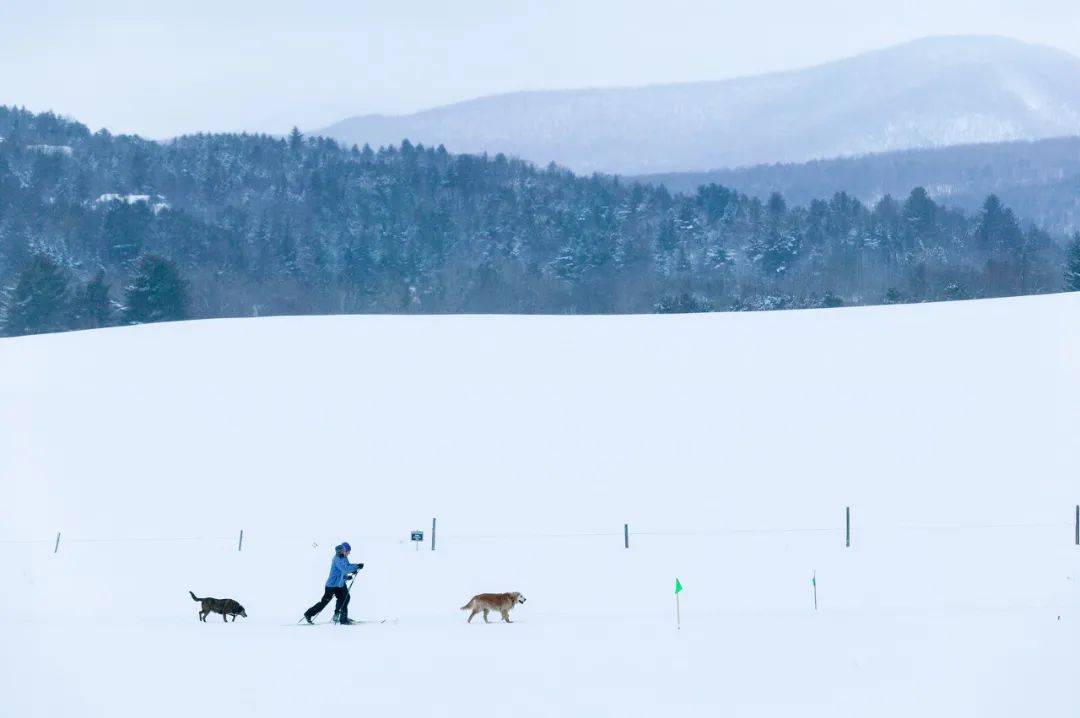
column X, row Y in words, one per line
column 373, row 622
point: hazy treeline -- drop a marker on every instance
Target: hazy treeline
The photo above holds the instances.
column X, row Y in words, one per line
column 97, row 229
column 1039, row 180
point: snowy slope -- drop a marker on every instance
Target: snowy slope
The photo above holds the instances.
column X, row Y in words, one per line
column 731, row 444
column 928, row 93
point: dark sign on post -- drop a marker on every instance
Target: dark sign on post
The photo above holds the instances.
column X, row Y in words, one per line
column 416, row 537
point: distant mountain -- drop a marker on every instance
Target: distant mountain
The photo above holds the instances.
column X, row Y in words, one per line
column 927, row 93
column 1040, row 180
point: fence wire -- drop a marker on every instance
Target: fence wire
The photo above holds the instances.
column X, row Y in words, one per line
column 452, row 537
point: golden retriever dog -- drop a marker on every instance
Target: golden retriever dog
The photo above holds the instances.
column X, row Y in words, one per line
column 501, row 602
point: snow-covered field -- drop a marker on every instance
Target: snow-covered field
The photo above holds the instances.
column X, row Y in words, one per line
column 730, row 443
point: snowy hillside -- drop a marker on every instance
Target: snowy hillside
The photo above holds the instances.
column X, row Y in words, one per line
column 928, row 93
column 730, row 443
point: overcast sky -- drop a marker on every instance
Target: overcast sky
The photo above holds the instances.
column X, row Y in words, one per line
column 160, row 68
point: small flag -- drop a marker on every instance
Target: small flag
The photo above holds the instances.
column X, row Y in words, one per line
column 678, row 586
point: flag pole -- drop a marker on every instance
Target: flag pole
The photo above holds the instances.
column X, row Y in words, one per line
column 813, row 582
column 678, row 613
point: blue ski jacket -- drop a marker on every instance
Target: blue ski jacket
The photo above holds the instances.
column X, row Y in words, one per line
column 339, row 567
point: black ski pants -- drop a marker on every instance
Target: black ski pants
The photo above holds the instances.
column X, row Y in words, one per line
column 341, row 607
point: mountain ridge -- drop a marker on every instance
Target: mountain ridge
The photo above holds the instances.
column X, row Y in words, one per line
column 930, row 92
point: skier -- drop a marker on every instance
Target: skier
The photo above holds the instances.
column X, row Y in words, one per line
column 340, row 570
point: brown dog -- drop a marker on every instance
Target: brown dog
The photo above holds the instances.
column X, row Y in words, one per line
column 225, row 606
column 501, row 602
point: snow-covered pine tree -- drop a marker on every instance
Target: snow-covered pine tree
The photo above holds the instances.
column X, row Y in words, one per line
column 157, row 293
column 40, row 301
column 92, row 307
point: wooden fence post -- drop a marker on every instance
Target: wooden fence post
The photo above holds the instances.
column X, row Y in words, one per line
column 626, row 535
column 56, row 548
column 240, row 544
column 847, row 527
column 432, row 534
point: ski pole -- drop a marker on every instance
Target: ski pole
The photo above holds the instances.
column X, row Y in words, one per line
column 348, row 594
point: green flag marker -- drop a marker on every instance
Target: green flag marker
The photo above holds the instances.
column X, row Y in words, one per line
column 678, row 617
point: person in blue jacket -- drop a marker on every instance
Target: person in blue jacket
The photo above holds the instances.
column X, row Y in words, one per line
column 340, row 570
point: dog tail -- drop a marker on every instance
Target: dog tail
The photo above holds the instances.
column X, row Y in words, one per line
column 467, row 606
column 194, row 597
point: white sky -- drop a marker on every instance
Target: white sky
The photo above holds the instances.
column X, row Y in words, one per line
column 164, row 67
